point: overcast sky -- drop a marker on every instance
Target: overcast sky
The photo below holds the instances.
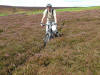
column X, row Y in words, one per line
column 55, row 3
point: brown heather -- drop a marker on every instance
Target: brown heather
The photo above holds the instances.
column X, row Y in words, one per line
column 77, row 52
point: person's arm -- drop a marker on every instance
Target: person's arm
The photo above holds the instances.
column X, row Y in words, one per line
column 55, row 18
column 44, row 15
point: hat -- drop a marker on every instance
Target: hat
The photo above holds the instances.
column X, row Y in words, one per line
column 49, row 5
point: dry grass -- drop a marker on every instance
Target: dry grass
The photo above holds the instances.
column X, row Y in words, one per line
column 77, row 52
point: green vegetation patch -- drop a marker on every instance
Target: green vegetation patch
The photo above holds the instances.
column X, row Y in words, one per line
column 3, row 14
column 78, row 9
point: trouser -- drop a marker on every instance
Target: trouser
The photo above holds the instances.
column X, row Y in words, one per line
column 54, row 27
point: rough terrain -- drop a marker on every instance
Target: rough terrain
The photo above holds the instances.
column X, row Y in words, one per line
column 77, row 52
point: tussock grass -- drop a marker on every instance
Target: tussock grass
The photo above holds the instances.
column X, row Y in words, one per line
column 1, row 30
column 77, row 52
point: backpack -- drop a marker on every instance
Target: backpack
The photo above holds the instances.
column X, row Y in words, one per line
column 52, row 11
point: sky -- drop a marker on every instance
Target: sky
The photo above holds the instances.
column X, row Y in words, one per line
column 55, row 3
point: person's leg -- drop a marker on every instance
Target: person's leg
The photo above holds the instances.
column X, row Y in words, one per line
column 54, row 27
column 47, row 27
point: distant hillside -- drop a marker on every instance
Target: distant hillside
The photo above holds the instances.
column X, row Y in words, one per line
column 26, row 8
column 14, row 9
column 10, row 10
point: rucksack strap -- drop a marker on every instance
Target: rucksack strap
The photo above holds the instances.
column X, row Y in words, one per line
column 52, row 11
